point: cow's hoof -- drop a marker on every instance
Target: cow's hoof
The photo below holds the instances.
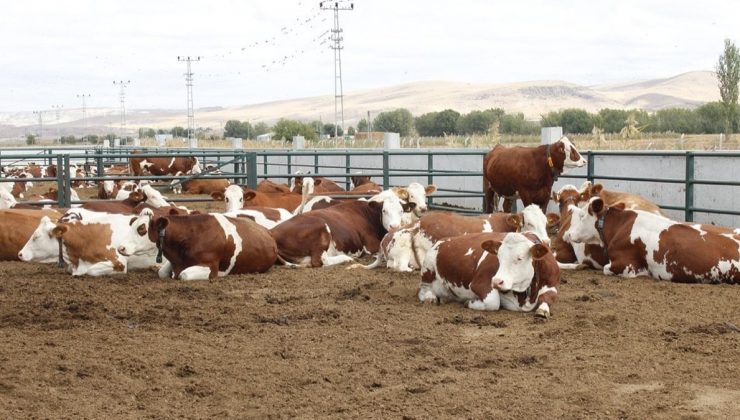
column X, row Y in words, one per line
column 542, row 314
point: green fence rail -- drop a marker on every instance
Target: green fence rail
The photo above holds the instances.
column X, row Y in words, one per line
column 247, row 167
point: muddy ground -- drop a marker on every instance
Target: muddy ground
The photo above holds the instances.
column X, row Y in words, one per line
column 333, row 343
column 330, row 342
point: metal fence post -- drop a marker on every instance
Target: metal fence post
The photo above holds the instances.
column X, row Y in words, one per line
column 67, row 183
column 689, row 200
column 251, row 169
column 290, row 169
column 347, row 170
column 237, row 181
column 316, row 162
column 590, row 167
column 99, row 163
column 430, row 175
column 386, row 178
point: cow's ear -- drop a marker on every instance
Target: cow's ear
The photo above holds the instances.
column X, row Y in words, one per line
column 596, row 189
column 491, row 246
column 538, row 251
column 217, row 195
column 162, row 223
column 401, row 192
column 553, row 219
column 596, row 207
column 317, row 182
column 430, row 189
column 59, row 231
column 133, row 219
column 515, row 221
column 378, row 205
column 249, row 195
column 408, row 207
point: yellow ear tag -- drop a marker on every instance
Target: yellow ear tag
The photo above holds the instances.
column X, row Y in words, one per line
column 549, row 162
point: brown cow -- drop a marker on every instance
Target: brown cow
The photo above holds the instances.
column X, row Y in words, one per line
column 642, row 243
column 159, row 166
column 288, row 201
column 16, row 228
column 204, row 186
column 321, row 185
column 204, row 246
column 268, row 186
column 363, row 184
column 630, row 201
column 337, row 234
column 488, row 271
column 526, row 172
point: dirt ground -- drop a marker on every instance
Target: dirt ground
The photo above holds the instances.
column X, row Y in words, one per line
column 330, row 342
column 337, row 343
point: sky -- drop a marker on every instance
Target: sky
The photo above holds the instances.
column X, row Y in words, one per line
column 255, row 51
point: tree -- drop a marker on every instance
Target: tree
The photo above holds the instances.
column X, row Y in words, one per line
column 328, row 129
column 260, row 128
column 286, row 129
column 30, row 139
column 351, row 131
column 477, row 122
column 728, row 76
column 611, row 120
column 178, row 131
column 575, row 120
column 362, row 125
column 146, row 132
column 399, row 121
column 516, row 124
column 677, row 120
column 711, row 117
column 425, row 124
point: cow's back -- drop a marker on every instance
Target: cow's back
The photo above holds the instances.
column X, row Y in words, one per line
column 437, row 225
column 16, row 228
column 259, row 250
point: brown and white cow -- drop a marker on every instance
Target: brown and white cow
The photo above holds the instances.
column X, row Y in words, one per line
column 630, row 201
column 89, row 241
column 338, row 234
column 202, row 246
column 526, row 172
column 266, row 217
column 16, row 228
column 487, row 271
column 159, row 166
column 642, row 243
column 363, row 184
column 321, row 185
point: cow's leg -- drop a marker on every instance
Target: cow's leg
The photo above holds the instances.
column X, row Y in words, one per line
column 196, row 272
column 546, row 297
column 102, row 268
column 426, row 292
column 165, row 271
column 492, row 302
column 508, row 204
column 490, row 196
column 328, row 260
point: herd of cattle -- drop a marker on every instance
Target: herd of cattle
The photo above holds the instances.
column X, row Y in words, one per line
column 495, row 260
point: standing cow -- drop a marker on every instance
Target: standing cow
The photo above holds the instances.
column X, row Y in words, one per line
column 526, row 172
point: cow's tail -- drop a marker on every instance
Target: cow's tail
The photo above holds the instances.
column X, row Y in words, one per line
column 375, row 264
column 286, row 262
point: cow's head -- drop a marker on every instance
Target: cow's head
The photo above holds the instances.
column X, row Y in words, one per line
column 583, row 223
column 516, row 255
column 195, row 169
column 418, row 193
column 392, row 209
column 535, row 221
column 6, row 199
column 153, row 197
column 139, row 241
column 42, row 246
column 573, row 158
column 358, row 180
column 233, row 196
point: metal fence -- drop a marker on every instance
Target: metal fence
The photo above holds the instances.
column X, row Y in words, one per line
column 689, row 182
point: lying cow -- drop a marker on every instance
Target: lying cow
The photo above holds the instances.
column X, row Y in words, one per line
column 17, row 227
column 487, row 271
column 338, row 234
column 266, row 217
column 321, row 185
column 526, row 172
column 269, row 186
column 642, row 243
column 204, row 186
column 160, row 166
column 202, row 246
column 89, row 241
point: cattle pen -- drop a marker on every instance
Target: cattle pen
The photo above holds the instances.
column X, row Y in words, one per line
column 339, row 343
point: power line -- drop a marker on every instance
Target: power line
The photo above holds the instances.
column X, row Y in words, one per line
column 57, row 110
column 84, row 113
column 122, row 84
column 189, row 85
column 336, row 37
column 40, row 114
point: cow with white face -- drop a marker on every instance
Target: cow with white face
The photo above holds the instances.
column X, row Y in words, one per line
column 642, row 243
column 7, row 201
column 417, row 194
column 487, row 271
column 338, row 234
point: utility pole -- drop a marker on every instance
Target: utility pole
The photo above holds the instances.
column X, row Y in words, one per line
column 189, row 85
column 336, row 37
column 40, row 113
column 84, row 115
column 122, row 84
column 57, row 110
column 368, row 124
